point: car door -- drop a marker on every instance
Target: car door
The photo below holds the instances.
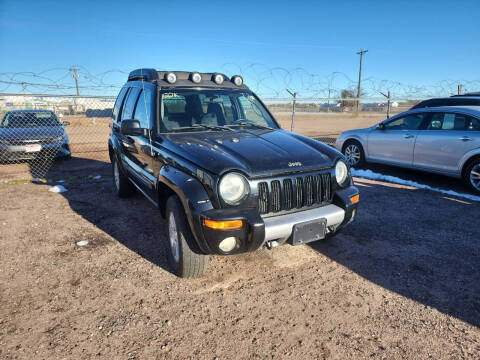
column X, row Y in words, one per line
column 393, row 143
column 444, row 141
column 142, row 157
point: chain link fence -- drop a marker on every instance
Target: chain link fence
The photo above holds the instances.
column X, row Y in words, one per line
column 40, row 134
column 56, row 136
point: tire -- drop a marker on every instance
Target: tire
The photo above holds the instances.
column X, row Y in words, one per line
column 185, row 259
column 354, row 153
column 122, row 186
column 471, row 176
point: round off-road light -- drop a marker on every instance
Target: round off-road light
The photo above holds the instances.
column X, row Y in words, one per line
column 228, row 244
column 233, row 188
column 196, row 77
column 218, row 78
column 341, row 172
column 171, row 78
column 237, row 80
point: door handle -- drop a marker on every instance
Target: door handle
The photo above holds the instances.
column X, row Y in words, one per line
column 408, row 136
column 466, row 138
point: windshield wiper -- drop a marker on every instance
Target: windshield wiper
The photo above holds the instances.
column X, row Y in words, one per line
column 201, row 126
column 248, row 123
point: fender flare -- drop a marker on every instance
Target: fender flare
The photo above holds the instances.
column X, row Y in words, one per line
column 192, row 195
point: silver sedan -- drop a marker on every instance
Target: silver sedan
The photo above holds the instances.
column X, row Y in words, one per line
column 444, row 140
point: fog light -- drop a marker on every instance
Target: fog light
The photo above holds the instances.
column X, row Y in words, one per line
column 171, row 78
column 228, row 244
column 196, row 77
column 218, row 78
column 354, row 199
column 237, row 80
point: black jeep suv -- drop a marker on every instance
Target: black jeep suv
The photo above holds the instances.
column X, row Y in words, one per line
column 207, row 152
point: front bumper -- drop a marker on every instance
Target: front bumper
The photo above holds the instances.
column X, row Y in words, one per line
column 260, row 231
column 9, row 153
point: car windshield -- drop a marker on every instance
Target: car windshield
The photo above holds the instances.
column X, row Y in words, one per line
column 29, row 119
column 212, row 110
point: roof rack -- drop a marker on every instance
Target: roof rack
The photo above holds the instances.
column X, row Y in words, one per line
column 187, row 79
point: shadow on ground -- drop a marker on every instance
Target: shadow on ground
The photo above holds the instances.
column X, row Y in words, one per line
column 422, row 245
column 134, row 222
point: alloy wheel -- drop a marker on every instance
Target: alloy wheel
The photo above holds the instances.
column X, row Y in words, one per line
column 475, row 177
column 352, row 153
column 173, row 237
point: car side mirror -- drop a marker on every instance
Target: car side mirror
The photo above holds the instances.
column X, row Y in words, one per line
column 65, row 123
column 381, row 126
column 131, row 128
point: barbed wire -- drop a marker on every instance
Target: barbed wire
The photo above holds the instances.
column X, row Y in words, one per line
column 266, row 81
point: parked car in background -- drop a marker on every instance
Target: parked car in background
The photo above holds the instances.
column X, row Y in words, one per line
column 332, row 107
column 204, row 149
column 443, row 140
column 456, row 100
column 374, row 107
column 32, row 134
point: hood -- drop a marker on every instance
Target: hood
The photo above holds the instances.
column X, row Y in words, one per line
column 257, row 153
column 31, row 134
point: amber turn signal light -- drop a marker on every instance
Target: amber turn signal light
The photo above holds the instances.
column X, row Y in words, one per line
column 223, row 225
column 354, row 199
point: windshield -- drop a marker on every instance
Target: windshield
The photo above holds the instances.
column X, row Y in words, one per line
column 211, row 110
column 29, row 119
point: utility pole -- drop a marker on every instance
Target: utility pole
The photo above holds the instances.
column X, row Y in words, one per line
column 359, row 88
column 294, row 94
column 74, row 72
column 459, row 89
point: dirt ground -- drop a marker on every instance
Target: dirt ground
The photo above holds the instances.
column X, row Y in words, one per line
column 401, row 282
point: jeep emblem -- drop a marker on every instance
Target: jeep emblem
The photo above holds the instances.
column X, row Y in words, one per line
column 297, row 163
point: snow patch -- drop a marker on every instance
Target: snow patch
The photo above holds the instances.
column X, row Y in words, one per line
column 82, row 243
column 97, row 177
column 369, row 174
column 57, row 189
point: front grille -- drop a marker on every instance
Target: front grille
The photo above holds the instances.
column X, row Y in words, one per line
column 294, row 193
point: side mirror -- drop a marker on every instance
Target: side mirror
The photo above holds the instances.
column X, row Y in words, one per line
column 65, row 123
column 131, row 128
column 381, row 126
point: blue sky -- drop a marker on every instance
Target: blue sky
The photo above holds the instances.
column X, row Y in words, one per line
column 411, row 42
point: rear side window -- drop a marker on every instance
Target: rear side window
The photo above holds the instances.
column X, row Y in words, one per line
column 473, row 124
column 118, row 104
column 143, row 110
column 448, row 121
column 129, row 104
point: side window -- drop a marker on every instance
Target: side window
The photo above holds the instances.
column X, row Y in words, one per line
column 143, row 110
column 129, row 104
column 448, row 121
column 473, row 124
column 410, row 122
column 118, row 103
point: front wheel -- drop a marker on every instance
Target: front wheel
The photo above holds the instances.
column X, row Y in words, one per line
column 354, row 154
column 184, row 258
column 472, row 176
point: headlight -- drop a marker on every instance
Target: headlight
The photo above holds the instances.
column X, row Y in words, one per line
column 233, row 188
column 341, row 172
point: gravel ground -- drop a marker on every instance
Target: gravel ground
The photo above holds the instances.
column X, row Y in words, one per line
column 400, row 282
